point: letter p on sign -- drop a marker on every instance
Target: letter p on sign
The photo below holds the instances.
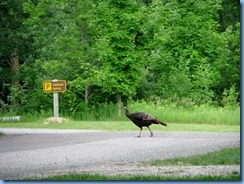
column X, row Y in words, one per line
column 47, row 86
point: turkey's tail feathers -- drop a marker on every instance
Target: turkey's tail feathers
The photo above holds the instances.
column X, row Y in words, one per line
column 162, row 123
column 153, row 119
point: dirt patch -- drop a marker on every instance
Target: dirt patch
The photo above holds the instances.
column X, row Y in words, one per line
column 178, row 171
column 55, row 120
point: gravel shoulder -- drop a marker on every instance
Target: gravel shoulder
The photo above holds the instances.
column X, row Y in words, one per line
column 175, row 171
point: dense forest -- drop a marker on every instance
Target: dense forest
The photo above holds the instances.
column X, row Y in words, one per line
column 118, row 51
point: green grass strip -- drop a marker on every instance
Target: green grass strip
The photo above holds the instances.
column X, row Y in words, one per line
column 120, row 126
column 230, row 156
column 232, row 177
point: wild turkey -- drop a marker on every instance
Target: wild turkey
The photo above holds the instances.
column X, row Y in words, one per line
column 141, row 119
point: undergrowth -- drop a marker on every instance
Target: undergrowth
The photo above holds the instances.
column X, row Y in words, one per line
column 172, row 113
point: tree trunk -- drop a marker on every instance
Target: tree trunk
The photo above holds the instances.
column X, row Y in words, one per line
column 83, row 34
column 3, row 107
column 14, row 72
column 15, row 68
column 87, row 95
column 119, row 105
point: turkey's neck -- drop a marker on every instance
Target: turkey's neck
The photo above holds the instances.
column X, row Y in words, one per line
column 127, row 112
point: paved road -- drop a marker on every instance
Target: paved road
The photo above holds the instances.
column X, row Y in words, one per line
column 27, row 153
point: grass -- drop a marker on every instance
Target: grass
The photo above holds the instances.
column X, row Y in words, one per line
column 172, row 114
column 77, row 177
column 191, row 118
column 121, row 126
column 203, row 114
column 230, row 156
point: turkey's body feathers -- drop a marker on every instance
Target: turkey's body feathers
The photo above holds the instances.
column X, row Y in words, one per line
column 142, row 119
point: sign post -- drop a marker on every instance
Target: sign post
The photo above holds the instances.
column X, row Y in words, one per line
column 55, row 86
column 55, row 104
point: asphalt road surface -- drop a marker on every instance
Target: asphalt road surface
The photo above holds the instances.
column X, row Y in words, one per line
column 28, row 153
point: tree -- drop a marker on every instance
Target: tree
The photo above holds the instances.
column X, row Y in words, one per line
column 109, row 51
column 15, row 49
column 120, row 23
column 69, row 53
column 185, row 52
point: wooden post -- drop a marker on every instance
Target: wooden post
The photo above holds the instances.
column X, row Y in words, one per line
column 55, row 104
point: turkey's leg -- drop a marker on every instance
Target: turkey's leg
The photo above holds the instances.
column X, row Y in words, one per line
column 150, row 131
column 140, row 133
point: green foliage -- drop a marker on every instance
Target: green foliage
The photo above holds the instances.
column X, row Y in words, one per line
column 182, row 52
column 230, row 64
column 185, row 54
column 120, row 23
column 230, row 97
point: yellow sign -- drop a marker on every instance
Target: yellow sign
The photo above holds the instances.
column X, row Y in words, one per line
column 54, row 86
column 47, row 86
